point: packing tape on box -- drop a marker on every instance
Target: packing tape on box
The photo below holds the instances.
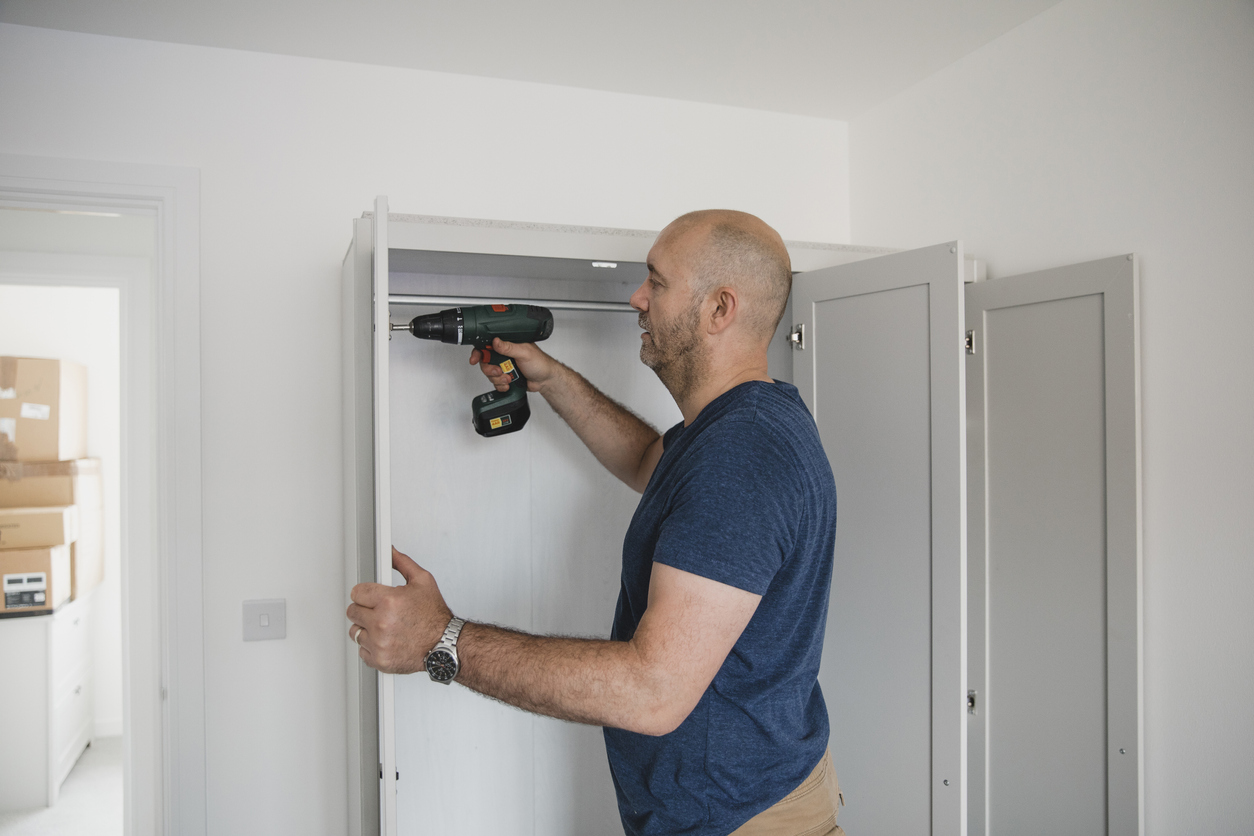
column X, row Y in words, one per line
column 15, row 471
column 8, row 438
column 8, row 377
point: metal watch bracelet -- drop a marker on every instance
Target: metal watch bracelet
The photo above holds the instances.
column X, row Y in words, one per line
column 451, row 632
column 441, row 661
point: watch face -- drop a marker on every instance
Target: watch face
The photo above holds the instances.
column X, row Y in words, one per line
column 441, row 665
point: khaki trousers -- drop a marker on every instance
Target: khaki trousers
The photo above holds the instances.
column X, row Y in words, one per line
column 809, row 810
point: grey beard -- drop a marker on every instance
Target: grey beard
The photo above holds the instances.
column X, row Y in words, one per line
column 682, row 365
column 681, row 375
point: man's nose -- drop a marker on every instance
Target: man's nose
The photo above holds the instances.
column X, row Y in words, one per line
column 638, row 300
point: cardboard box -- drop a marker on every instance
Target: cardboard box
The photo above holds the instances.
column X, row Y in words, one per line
column 43, row 410
column 38, row 528
column 33, row 484
column 34, row 581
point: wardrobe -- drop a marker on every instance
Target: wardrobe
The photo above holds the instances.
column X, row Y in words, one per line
column 983, row 650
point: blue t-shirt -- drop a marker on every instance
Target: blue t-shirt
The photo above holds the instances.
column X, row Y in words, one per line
column 743, row 496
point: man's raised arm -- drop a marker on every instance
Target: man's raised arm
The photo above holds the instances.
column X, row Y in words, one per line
column 627, row 446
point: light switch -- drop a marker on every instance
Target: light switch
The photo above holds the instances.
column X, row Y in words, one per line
column 265, row 619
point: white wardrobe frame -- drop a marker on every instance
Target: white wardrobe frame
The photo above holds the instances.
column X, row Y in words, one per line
column 367, row 515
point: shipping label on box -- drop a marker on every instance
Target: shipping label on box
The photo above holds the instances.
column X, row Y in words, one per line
column 23, row 590
column 34, row 581
column 33, row 528
column 43, row 409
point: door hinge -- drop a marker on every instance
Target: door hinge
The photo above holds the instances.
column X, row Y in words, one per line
column 797, row 337
column 970, row 342
column 380, row 772
column 971, row 703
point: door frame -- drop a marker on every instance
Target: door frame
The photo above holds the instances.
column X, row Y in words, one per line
column 162, row 631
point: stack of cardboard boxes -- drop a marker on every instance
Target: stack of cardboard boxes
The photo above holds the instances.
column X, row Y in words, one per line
column 51, row 505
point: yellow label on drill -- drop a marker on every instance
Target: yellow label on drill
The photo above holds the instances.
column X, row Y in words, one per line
column 507, row 366
column 495, row 423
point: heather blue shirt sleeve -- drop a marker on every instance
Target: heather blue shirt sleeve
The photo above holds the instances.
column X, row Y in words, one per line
column 734, row 515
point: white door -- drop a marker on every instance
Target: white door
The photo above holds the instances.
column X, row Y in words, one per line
column 881, row 369
column 367, row 517
column 1054, row 551
column 383, row 504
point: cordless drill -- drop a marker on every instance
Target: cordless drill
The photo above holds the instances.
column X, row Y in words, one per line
column 493, row 413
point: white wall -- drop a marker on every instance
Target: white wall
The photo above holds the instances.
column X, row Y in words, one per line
column 289, row 150
column 1098, row 128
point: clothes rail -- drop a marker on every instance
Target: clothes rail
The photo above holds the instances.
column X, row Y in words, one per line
column 552, row 304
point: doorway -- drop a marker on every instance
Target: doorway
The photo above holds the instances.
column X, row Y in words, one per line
column 78, row 321
column 160, row 612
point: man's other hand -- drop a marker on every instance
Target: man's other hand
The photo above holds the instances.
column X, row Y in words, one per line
column 396, row 626
column 534, row 364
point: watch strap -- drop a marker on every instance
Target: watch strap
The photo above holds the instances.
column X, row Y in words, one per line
column 448, row 641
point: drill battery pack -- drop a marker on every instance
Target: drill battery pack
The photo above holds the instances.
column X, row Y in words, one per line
column 498, row 413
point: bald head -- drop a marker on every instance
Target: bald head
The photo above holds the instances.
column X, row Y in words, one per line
column 735, row 249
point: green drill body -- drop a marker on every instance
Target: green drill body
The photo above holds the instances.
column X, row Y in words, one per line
column 493, row 413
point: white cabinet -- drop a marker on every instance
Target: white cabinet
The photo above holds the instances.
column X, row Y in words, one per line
column 525, row 530
column 46, row 712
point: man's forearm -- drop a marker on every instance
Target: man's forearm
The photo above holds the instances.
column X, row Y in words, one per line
column 618, row 438
column 593, row 681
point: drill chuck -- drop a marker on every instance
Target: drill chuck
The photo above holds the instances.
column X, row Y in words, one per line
column 445, row 326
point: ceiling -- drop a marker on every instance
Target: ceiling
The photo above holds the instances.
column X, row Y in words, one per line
column 826, row 58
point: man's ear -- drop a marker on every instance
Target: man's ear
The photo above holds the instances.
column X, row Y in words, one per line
column 726, row 307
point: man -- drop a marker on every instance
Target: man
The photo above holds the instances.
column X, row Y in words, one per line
column 707, row 689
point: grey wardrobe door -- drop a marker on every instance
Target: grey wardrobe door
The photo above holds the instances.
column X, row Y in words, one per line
column 882, row 371
column 1055, row 591
column 367, row 518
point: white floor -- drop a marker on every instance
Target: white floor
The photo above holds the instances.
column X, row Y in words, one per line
column 90, row 801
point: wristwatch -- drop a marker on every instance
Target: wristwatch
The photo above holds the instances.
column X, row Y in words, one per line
column 442, row 663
